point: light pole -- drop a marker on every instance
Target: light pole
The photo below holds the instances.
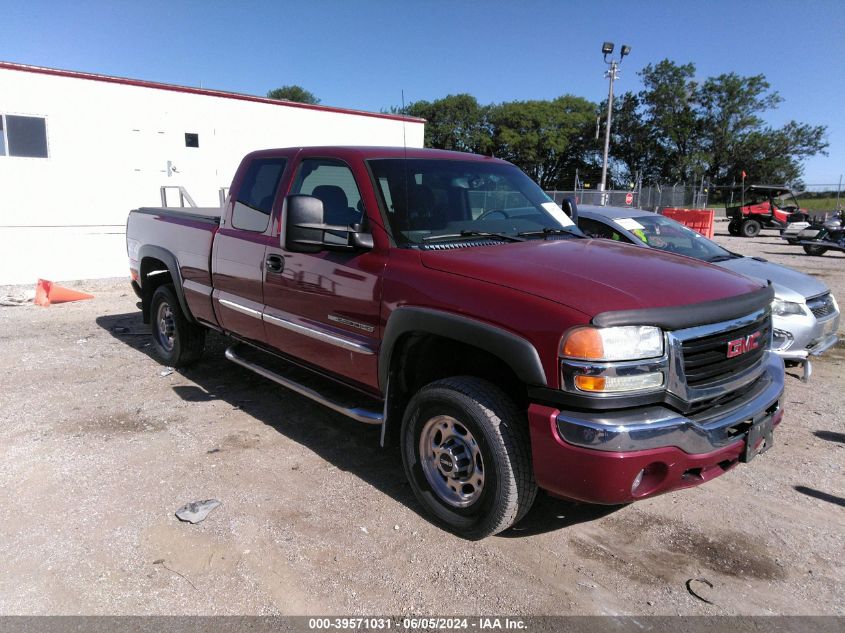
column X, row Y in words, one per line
column 611, row 74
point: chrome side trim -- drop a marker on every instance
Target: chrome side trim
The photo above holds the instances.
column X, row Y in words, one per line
column 195, row 286
column 356, row 413
column 658, row 426
column 318, row 335
column 237, row 307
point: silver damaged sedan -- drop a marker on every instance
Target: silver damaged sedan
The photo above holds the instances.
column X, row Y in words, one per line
column 805, row 315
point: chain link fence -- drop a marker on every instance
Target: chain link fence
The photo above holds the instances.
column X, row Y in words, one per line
column 651, row 198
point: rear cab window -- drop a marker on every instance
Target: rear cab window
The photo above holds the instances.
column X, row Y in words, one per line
column 256, row 194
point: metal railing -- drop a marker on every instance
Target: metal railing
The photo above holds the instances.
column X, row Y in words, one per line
column 184, row 196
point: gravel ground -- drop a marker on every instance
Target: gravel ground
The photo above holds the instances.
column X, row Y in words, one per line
column 99, row 449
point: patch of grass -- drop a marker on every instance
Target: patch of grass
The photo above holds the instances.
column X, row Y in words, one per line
column 820, row 204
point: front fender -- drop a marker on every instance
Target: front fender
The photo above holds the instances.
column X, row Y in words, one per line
column 518, row 353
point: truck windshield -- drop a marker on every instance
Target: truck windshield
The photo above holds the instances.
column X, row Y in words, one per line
column 664, row 234
column 429, row 200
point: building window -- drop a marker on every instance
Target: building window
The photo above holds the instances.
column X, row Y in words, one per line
column 192, row 139
column 24, row 136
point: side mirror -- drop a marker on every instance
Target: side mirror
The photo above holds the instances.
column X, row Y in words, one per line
column 307, row 232
column 570, row 208
column 360, row 239
column 303, row 224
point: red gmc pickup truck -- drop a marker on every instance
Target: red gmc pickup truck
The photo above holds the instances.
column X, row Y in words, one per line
column 446, row 298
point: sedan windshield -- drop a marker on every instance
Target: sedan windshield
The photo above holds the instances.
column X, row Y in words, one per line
column 427, row 201
column 664, row 234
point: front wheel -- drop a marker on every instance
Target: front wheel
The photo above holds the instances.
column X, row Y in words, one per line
column 733, row 228
column 467, row 456
column 751, row 228
column 813, row 249
column 176, row 341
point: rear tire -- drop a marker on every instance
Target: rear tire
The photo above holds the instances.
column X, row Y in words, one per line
column 751, row 228
column 816, row 251
column 467, row 456
column 176, row 341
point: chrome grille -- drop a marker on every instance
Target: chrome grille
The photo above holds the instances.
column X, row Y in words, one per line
column 821, row 306
column 706, row 358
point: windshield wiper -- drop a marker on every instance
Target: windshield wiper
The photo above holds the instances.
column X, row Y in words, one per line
column 465, row 234
column 549, row 231
column 722, row 258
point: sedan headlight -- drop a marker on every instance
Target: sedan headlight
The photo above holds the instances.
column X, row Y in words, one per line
column 629, row 342
column 786, row 308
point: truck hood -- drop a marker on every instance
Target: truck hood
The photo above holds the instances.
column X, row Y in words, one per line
column 592, row 276
column 789, row 285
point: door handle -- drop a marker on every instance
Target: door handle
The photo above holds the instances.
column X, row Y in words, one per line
column 274, row 263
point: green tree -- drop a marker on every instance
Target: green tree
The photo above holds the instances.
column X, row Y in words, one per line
column 730, row 109
column 774, row 155
column 670, row 103
column 678, row 130
column 455, row 122
column 633, row 144
column 293, row 93
column 548, row 140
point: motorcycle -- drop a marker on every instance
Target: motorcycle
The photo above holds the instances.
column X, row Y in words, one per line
column 820, row 237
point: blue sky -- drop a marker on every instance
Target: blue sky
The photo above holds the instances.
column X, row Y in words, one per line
column 361, row 54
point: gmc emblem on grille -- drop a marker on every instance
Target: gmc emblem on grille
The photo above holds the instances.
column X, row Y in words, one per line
column 741, row 345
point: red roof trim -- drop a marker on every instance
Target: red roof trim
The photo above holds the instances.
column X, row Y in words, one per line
column 197, row 91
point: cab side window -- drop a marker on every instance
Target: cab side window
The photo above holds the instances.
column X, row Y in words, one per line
column 332, row 182
column 256, row 194
column 594, row 228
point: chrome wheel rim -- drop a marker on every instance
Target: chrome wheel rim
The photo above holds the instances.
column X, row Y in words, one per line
column 165, row 326
column 451, row 461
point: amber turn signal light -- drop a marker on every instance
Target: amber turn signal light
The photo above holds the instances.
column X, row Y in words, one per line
column 590, row 383
column 584, row 343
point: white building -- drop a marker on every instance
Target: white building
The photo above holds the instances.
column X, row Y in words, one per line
column 79, row 150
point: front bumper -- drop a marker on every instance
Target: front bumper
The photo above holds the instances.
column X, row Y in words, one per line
column 809, row 336
column 597, row 456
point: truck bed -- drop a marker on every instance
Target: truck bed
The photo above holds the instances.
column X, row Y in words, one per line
column 186, row 235
column 203, row 214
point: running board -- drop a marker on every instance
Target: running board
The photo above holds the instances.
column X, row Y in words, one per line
column 335, row 397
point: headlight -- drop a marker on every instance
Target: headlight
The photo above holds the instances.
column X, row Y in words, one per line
column 785, row 308
column 629, row 342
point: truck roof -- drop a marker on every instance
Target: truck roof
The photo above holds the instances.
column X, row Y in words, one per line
column 370, row 152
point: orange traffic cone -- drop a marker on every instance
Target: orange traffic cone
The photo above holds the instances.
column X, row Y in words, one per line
column 46, row 292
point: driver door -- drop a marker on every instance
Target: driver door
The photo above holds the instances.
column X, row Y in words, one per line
column 323, row 308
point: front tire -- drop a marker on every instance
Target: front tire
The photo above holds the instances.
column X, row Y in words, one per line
column 751, row 228
column 176, row 341
column 812, row 249
column 467, row 456
column 733, row 228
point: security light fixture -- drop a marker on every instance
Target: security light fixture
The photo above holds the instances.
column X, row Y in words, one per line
column 611, row 74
